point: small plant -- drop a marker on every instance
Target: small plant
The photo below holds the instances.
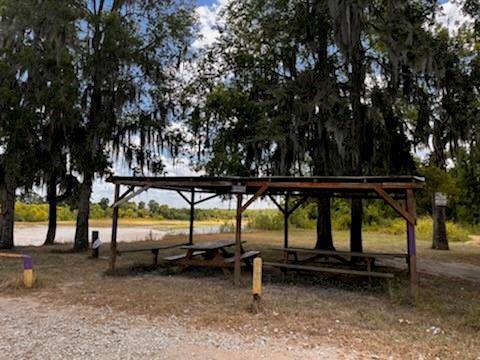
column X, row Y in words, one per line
column 226, row 227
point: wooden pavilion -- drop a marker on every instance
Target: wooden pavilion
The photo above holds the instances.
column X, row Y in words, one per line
column 396, row 191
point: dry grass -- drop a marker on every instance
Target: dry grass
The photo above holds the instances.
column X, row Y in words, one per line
column 330, row 310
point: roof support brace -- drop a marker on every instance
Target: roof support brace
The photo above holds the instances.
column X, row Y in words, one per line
column 131, row 196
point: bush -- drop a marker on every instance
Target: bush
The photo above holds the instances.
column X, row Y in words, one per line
column 265, row 220
column 227, row 227
column 424, row 229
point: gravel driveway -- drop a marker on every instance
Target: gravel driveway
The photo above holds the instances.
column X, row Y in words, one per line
column 30, row 329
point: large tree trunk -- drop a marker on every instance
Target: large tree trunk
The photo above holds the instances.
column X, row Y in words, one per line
column 81, row 231
column 440, row 241
column 356, row 244
column 324, row 225
column 8, row 215
column 359, row 153
column 52, row 209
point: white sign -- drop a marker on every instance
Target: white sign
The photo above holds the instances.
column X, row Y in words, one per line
column 96, row 244
column 440, row 199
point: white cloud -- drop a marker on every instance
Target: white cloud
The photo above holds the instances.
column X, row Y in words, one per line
column 451, row 16
column 208, row 18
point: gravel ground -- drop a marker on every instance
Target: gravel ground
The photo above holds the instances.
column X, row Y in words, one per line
column 32, row 329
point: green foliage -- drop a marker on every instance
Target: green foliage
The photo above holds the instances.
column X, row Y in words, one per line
column 467, row 177
column 424, row 229
column 437, row 180
column 265, row 220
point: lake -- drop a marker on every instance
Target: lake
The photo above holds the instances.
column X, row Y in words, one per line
column 34, row 235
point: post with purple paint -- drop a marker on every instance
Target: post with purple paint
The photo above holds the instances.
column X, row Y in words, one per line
column 411, row 244
column 27, row 271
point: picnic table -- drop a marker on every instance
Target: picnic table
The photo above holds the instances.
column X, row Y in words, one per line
column 211, row 254
column 344, row 257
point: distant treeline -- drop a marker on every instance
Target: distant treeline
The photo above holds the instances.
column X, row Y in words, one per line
column 101, row 210
column 377, row 216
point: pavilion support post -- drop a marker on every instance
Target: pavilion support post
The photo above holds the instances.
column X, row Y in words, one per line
column 286, row 215
column 113, row 243
column 192, row 217
column 238, row 241
column 411, row 245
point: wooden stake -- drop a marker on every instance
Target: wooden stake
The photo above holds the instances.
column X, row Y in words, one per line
column 257, row 278
column 27, row 271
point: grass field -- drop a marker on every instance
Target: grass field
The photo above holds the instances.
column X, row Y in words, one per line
column 338, row 310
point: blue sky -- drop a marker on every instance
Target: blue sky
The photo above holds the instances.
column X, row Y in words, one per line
column 207, row 11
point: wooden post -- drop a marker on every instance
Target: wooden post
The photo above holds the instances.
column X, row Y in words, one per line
column 192, row 217
column 238, row 241
column 113, row 244
column 411, row 244
column 27, row 271
column 286, row 215
column 257, row 278
column 95, row 244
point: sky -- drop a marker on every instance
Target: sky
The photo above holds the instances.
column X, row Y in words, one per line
column 207, row 10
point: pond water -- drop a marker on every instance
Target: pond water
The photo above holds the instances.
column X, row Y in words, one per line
column 34, row 235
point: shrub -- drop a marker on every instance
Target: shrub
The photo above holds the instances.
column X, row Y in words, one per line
column 265, row 220
column 424, row 229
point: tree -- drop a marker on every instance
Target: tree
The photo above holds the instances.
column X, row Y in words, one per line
column 296, row 101
column 31, row 53
column 104, row 203
column 127, row 59
column 446, row 116
column 277, row 115
column 153, row 207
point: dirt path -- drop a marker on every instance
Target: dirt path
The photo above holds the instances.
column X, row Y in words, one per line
column 35, row 330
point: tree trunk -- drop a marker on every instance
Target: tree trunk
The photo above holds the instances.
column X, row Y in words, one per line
column 440, row 241
column 8, row 215
column 324, row 225
column 356, row 226
column 81, row 231
column 52, row 209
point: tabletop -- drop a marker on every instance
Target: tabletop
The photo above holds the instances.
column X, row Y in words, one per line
column 211, row 245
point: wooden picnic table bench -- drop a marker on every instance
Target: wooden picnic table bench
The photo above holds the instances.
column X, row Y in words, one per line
column 330, row 270
column 153, row 249
column 211, row 254
column 367, row 257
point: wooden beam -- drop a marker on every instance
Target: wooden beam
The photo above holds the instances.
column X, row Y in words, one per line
column 294, row 185
column 118, row 202
column 297, row 205
column 183, row 196
column 259, row 193
column 277, row 204
column 206, row 199
column 113, row 243
column 395, row 205
column 129, row 190
column 176, row 188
